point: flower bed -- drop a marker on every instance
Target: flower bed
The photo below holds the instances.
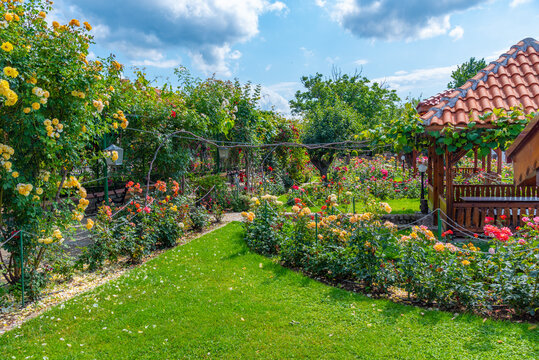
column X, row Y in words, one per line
column 363, row 249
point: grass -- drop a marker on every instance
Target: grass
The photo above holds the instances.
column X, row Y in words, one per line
column 213, row 298
column 399, row 206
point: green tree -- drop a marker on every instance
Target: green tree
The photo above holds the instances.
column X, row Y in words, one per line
column 372, row 102
column 328, row 123
column 465, row 72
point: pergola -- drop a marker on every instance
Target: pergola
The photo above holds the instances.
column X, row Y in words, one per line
column 512, row 80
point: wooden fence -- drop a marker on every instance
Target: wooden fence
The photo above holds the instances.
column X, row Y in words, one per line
column 471, row 215
column 494, row 190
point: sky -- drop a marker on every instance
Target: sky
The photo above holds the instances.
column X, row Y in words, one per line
column 411, row 46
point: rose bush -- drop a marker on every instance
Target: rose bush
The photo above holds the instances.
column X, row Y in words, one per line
column 54, row 105
column 434, row 271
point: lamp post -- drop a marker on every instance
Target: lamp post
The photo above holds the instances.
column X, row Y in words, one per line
column 423, row 206
column 114, row 156
column 403, row 158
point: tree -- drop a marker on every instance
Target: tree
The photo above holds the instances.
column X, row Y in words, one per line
column 465, row 72
column 372, row 103
column 328, row 123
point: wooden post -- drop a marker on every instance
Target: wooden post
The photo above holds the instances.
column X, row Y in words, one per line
column 499, row 153
column 449, row 184
column 475, row 160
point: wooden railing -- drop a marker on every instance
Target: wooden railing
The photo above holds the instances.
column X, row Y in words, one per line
column 464, row 171
column 472, row 215
column 498, row 190
column 116, row 197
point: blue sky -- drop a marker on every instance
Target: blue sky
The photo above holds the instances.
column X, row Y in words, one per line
column 409, row 45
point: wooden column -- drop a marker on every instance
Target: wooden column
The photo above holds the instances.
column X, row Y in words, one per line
column 475, row 160
column 489, row 167
column 449, row 195
column 499, row 153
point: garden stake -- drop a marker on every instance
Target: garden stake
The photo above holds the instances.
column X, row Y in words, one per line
column 439, row 225
column 22, row 267
column 316, row 225
column 106, row 170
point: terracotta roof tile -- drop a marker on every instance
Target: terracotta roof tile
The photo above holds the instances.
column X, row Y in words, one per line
column 511, row 80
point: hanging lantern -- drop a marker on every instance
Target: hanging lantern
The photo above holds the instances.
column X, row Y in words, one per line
column 223, row 153
column 114, row 155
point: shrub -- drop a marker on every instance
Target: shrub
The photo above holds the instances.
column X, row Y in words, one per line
column 199, row 218
column 262, row 229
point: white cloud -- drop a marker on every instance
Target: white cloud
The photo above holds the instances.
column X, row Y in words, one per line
column 434, row 27
column 272, row 100
column 268, row 67
column 278, row 6
column 215, row 59
column 404, row 81
column 397, row 19
column 277, row 96
column 332, row 60
column 320, row 3
column 515, row 3
column 361, row 62
column 306, row 52
column 167, row 64
column 208, row 29
column 456, row 33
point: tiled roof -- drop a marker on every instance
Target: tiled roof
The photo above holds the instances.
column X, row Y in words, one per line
column 511, row 80
column 425, row 105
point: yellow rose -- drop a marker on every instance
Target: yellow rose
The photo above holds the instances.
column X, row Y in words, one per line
column 7, row 47
column 39, row 191
column 27, row 110
column 36, row 106
column 439, row 247
column 57, row 234
column 55, row 24
column 15, row 174
column 74, row 22
column 42, row 14
column 11, row 72
column 8, row 16
column 90, row 224
column 87, row 26
column 55, row 121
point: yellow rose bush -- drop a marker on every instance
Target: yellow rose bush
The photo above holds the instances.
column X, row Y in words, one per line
column 46, row 132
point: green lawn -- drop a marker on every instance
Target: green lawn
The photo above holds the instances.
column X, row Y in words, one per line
column 399, row 206
column 213, row 298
